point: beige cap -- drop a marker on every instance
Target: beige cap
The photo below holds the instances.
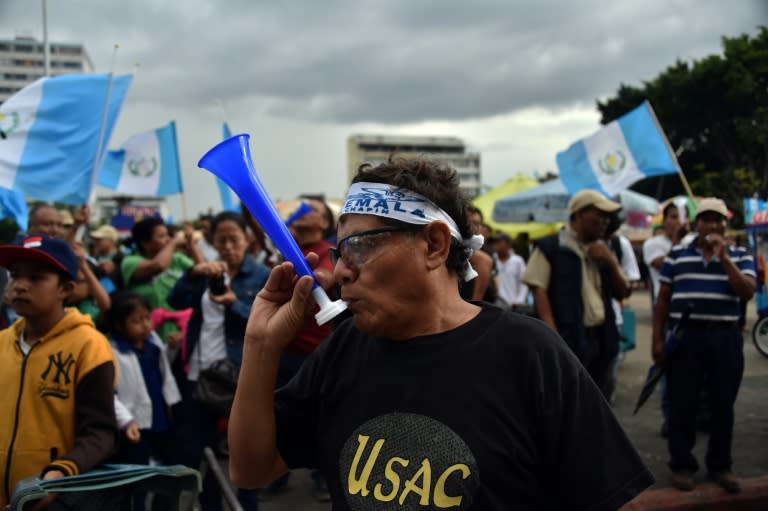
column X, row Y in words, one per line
column 67, row 219
column 594, row 198
column 105, row 231
column 712, row 204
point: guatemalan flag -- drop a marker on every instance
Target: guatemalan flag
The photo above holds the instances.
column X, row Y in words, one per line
column 50, row 132
column 147, row 164
column 621, row 153
column 229, row 199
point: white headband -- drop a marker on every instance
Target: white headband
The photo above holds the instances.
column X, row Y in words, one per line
column 388, row 201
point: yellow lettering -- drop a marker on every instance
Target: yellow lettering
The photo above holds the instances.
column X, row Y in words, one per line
column 393, row 478
column 360, row 485
column 425, row 472
column 441, row 499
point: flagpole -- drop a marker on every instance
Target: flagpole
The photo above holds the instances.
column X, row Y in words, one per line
column 672, row 152
column 99, row 158
column 46, row 48
column 184, row 207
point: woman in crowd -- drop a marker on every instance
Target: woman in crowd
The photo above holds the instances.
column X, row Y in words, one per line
column 221, row 293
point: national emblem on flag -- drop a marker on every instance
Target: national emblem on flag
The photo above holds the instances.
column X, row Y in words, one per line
column 621, row 153
column 147, row 164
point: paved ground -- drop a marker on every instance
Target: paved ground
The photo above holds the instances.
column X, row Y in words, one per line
column 751, row 431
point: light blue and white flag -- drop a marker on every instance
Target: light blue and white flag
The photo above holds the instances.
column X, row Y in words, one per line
column 50, row 131
column 229, row 199
column 147, row 164
column 12, row 205
column 621, row 153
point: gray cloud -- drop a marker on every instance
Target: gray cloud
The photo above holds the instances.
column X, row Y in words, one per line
column 301, row 76
column 393, row 62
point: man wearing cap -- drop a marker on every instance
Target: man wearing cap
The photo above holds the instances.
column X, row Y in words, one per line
column 707, row 278
column 104, row 250
column 573, row 276
column 57, row 371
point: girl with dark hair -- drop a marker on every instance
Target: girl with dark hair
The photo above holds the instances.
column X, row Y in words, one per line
column 145, row 386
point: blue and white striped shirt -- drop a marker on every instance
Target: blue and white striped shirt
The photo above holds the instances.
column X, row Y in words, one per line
column 703, row 284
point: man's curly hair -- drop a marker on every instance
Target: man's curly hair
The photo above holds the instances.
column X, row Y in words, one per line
column 438, row 183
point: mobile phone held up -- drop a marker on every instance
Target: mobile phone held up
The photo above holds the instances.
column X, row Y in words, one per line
column 216, row 285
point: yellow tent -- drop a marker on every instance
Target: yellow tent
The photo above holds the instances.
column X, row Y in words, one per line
column 511, row 186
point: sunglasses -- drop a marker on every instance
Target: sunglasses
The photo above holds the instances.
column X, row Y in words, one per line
column 356, row 249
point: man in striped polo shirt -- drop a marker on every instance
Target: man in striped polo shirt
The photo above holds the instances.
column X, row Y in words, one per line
column 710, row 279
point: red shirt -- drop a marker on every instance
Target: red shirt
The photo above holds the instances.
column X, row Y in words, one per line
column 312, row 334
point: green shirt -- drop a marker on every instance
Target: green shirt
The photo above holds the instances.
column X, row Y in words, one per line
column 88, row 306
column 156, row 289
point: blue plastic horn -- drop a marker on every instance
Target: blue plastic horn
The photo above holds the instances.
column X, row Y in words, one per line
column 231, row 161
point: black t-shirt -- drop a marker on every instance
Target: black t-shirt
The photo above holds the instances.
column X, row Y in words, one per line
column 496, row 414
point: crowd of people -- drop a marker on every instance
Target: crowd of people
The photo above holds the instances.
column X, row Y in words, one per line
column 436, row 387
column 159, row 308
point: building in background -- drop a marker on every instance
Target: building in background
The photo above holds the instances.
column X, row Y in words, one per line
column 451, row 151
column 21, row 62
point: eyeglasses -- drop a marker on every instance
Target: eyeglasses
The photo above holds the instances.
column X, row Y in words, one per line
column 356, row 249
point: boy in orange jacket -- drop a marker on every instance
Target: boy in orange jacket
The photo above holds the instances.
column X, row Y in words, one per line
column 57, row 371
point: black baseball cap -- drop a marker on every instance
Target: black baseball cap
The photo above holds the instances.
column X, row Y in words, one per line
column 42, row 248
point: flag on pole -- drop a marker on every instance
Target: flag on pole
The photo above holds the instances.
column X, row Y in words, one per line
column 147, row 164
column 12, row 205
column 622, row 152
column 229, row 199
column 49, row 134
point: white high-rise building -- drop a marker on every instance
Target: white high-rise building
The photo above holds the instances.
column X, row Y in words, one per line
column 451, row 151
column 22, row 62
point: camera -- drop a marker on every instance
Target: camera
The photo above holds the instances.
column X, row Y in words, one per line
column 216, row 285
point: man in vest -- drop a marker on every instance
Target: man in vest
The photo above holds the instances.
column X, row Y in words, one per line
column 573, row 276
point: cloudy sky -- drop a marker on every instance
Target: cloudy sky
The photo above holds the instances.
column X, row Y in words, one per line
column 516, row 80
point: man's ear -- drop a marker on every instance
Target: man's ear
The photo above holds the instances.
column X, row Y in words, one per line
column 438, row 237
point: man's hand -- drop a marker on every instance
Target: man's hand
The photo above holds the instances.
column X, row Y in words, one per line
column 227, row 298
column 79, row 249
column 717, row 244
column 600, row 252
column 281, row 308
column 179, row 239
column 107, row 266
column 81, row 215
column 209, row 269
column 189, row 231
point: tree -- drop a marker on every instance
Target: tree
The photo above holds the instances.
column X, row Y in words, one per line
column 715, row 114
